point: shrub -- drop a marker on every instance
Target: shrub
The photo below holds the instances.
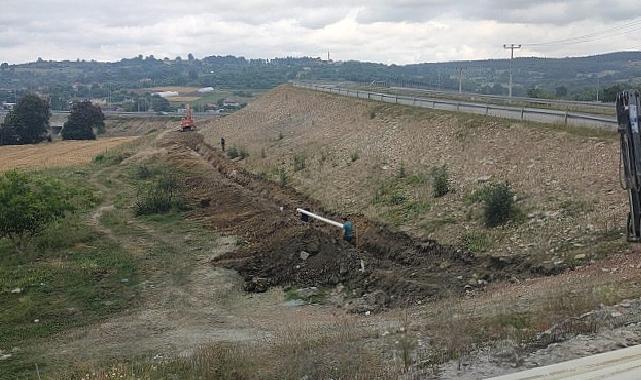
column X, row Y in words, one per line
column 263, row 153
column 242, row 153
column 232, row 152
column 401, row 171
column 160, row 196
column 110, row 158
column 354, row 156
column 498, row 204
column 28, row 203
column 280, row 136
column 282, row 177
column 440, row 182
column 299, row 161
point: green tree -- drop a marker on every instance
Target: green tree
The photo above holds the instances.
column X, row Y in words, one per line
column 561, row 92
column 4, row 66
column 27, row 123
column 84, row 117
column 159, row 103
column 28, row 203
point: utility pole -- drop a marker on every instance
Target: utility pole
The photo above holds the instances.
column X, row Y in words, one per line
column 598, row 86
column 460, row 80
column 511, row 47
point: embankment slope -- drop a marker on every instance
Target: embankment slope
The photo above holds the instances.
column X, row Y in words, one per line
column 356, row 156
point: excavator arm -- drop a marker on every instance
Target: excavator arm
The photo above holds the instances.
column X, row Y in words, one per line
column 628, row 106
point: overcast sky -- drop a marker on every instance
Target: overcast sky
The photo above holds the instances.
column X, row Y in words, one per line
column 402, row 31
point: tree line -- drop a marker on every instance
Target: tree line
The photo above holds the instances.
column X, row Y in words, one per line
column 28, row 122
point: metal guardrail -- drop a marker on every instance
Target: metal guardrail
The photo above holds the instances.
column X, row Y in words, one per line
column 512, row 113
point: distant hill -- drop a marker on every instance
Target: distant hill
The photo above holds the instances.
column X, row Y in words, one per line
column 572, row 78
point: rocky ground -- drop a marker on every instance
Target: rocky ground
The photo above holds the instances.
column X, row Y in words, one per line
column 346, row 152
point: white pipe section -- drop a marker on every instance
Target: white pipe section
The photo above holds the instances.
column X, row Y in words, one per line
column 311, row 214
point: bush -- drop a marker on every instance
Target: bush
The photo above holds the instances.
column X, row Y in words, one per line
column 354, row 156
column 282, row 177
column 440, row 182
column 232, row 152
column 160, row 196
column 401, row 171
column 242, row 153
column 28, row 203
column 299, row 161
column 110, row 158
column 498, row 204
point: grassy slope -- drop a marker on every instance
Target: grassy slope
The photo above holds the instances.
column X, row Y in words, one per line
column 81, row 270
column 346, row 152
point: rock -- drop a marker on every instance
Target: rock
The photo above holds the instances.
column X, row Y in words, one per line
column 4, row 356
column 124, row 280
column 304, row 255
column 313, row 247
column 368, row 313
column 482, row 282
column 36, row 321
column 484, row 179
column 307, row 292
column 616, row 314
column 257, row 284
column 580, row 256
column 16, row 291
column 376, row 299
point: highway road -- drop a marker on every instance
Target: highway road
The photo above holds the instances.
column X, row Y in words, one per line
column 622, row 364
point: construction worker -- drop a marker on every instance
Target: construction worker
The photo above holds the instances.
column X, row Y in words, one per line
column 222, row 143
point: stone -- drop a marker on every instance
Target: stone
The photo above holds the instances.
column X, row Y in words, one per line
column 484, row 179
column 580, row 256
column 304, row 255
column 368, row 313
column 616, row 314
column 124, row 280
column 16, row 291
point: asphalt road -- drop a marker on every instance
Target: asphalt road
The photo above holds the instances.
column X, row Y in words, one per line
column 622, row 364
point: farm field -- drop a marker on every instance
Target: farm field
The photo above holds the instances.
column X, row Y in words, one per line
column 56, row 154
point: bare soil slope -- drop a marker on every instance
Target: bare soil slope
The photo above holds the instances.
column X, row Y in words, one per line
column 357, row 156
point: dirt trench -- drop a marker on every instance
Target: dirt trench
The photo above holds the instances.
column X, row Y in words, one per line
column 382, row 268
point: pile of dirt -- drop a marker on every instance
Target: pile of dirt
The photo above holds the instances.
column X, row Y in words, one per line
column 382, row 268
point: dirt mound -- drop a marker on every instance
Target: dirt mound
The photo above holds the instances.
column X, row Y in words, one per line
column 382, row 268
column 358, row 156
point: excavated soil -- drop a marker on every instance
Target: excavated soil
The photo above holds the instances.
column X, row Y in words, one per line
column 382, row 268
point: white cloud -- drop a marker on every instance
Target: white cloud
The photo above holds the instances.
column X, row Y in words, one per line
column 403, row 31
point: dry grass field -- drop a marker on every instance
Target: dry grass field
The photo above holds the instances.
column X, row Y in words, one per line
column 63, row 153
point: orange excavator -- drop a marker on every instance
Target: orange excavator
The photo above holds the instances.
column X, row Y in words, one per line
column 187, row 123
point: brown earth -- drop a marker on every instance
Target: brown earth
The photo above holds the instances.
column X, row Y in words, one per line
column 353, row 150
column 383, row 268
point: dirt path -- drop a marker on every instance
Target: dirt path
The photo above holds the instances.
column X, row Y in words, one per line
column 182, row 307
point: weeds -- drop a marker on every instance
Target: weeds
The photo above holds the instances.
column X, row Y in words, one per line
column 354, row 156
column 476, row 241
column 299, row 161
column 160, row 196
column 440, row 181
column 110, row 158
column 499, row 205
column 401, row 171
column 283, row 178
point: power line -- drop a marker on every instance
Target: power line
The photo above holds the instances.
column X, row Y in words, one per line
column 591, row 37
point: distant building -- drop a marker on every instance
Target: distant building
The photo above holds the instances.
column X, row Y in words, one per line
column 7, row 106
column 165, row 94
column 205, row 90
column 231, row 103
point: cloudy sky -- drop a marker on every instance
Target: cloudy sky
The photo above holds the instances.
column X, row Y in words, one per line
column 400, row 31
